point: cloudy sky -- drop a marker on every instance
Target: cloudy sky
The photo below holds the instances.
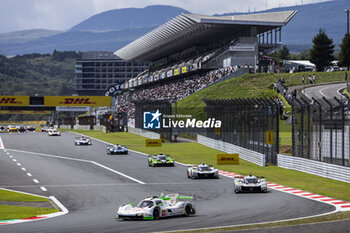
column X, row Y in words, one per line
column 63, row 14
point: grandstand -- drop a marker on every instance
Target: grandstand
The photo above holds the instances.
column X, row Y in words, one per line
column 192, row 51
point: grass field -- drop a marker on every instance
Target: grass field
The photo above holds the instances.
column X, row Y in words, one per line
column 248, row 86
column 191, row 153
column 17, row 212
column 14, row 196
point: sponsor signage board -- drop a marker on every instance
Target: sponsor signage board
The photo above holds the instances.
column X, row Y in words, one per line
column 77, row 100
column 24, row 112
column 176, row 72
column 7, row 100
column 184, row 69
column 72, row 109
column 153, row 142
column 227, row 159
column 269, row 137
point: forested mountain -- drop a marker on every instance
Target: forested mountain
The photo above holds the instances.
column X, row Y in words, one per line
column 38, row 74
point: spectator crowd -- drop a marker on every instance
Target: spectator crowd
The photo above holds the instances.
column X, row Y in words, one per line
column 171, row 90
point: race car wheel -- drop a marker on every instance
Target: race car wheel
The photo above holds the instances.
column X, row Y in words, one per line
column 188, row 210
column 156, row 213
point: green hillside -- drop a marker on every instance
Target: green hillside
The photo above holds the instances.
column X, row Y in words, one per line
column 38, row 74
column 247, row 86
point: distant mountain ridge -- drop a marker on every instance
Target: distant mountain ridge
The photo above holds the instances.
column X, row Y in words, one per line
column 128, row 18
column 113, row 29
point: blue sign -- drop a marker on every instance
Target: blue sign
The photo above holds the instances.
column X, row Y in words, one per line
column 151, row 120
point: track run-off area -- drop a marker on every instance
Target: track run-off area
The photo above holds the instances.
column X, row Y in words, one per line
column 91, row 185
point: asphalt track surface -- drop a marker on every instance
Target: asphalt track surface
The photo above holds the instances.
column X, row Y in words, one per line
column 327, row 91
column 92, row 193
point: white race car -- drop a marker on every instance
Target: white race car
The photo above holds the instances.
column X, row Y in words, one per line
column 78, row 141
column 54, row 132
column 202, row 171
column 250, row 184
column 152, row 208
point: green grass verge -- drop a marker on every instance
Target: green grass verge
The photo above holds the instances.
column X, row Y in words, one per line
column 14, row 196
column 18, row 212
column 248, row 86
column 192, row 153
column 326, row 218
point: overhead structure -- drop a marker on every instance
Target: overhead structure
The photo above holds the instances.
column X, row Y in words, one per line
column 188, row 30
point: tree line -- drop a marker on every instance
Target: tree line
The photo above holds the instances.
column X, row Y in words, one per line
column 321, row 53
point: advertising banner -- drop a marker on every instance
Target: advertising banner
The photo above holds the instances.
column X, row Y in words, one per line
column 72, row 109
column 227, row 159
column 77, row 100
column 24, row 112
column 176, row 72
column 7, row 100
column 184, row 69
column 153, row 142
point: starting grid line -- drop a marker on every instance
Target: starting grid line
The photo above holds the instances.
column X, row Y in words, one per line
column 340, row 205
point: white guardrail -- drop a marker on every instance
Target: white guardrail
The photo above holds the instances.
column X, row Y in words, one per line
column 326, row 170
column 248, row 155
column 144, row 133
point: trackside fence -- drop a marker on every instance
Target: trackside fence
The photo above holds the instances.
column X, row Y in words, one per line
column 327, row 170
column 248, row 155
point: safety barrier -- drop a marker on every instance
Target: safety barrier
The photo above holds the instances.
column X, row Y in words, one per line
column 326, row 170
column 144, row 133
column 248, row 155
column 85, row 127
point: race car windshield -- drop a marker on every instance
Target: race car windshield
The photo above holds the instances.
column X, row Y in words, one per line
column 203, row 168
column 162, row 157
column 251, row 181
column 145, row 204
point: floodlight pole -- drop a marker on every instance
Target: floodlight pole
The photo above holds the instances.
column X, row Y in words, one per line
column 347, row 16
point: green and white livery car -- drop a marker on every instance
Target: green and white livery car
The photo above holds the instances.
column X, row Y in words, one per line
column 153, row 208
column 160, row 160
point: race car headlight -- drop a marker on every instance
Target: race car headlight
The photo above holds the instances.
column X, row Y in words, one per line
column 89, row 143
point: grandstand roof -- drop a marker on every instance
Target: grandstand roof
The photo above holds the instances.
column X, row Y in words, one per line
column 187, row 30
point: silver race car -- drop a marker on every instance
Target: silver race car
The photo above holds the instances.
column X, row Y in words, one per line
column 82, row 141
column 116, row 149
column 53, row 132
column 158, row 207
column 250, row 184
column 202, row 171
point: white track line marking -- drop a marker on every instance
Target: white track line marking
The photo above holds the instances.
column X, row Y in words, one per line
column 44, row 189
column 36, row 181
column 18, row 164
column 10, row 155
column 81, row 160
column 2, row 147
column 320, row 91
column 23, row 192
column 14, row 160
column 134, row 151
column 23, row 169
column 29, row 174
column 303, row 91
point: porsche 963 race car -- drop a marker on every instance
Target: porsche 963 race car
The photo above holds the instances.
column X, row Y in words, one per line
column 82, row 141
column 158, row 207
column 250, row 184
column 160, row 160
column 116, row 149
column 202, row 171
